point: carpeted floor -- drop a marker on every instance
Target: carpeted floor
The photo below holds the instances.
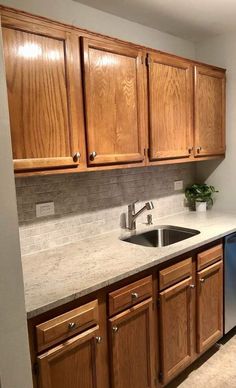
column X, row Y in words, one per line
column 215, row 369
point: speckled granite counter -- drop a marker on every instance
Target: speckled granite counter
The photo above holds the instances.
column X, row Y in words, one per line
column 60, row 275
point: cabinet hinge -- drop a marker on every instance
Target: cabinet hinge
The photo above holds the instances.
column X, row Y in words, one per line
column 160, row 376
column 35, row 369
column 158, row 302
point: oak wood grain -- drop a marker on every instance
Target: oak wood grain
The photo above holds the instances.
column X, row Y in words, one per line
column 57, row 329
column 113, row 79
column 176, row 329
column 170, row 107
column 210, row 256
column 209, row 306
column 175, row 273
column 123, row 297
column 45, row 129
column 71, row 364
column 131, row 356
column 209, row 114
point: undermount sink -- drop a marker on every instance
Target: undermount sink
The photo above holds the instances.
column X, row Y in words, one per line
column 161, row 236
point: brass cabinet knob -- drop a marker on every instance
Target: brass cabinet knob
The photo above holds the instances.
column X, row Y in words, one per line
column 114, row 329
column 93, row 155
column 76, row 157
column 134, row 295
column 98, row 339
column 202, row 280
column 192, row 286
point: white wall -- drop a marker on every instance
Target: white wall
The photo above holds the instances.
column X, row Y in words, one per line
column 14, row 352
column 71, row 12
column 221, row 51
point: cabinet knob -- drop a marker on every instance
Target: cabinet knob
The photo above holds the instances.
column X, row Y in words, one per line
column 76, row 157
column 190, row 149
column 134, row 295
column 93, row 155
column 72, row 326
column 202, row 280
column 192, row 285
column 199, row 149
column 98, row 339
column 114, row 329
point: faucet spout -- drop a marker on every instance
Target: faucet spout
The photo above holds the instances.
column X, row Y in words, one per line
column 132, row 216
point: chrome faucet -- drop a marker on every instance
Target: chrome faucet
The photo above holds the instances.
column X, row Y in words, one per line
column 132, row 215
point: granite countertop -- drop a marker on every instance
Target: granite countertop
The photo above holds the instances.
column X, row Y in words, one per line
column 60, row 275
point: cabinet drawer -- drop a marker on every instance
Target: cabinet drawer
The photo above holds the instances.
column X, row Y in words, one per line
column 130, row 295
column 175, row 273
column 66, row 325
column 206, row 258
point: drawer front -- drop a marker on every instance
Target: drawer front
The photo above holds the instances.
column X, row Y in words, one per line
column 212, row 255
column 129, row 295
column 175, row 273
column 66, row 325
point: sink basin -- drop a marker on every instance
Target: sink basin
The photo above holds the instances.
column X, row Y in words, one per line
column 162, row 236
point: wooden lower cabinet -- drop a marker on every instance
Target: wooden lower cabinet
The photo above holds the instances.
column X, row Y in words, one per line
column 140, row 340
column 209, row 306
column 176, row 322
column 73, row 364
column 131, row 347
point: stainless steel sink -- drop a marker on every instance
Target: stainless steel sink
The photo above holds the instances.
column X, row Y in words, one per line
column 161, row 236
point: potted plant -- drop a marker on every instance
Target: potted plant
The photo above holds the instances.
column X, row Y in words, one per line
column 200, row 196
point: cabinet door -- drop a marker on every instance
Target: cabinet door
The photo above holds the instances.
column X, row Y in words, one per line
column 210, row 306
column 131, row 347
column 46, row 130
column 209, row 114
column 176, row 324
column 72, row 364
column 113, row 103
column 171, row 106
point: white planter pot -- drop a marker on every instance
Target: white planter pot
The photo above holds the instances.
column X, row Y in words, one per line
column 201, row 206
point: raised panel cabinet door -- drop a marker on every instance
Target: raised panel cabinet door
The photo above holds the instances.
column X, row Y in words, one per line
column 209, row 306
column 176, row 328
column 131, row 347
column 209, row 112
column 170, row 107
column 45, row 127
column 114, row 102
column 73, row 364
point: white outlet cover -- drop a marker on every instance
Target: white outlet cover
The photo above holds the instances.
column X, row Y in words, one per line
column 178, row 185
column 45, row 209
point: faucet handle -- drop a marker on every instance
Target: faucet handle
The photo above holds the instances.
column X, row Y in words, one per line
column 133, row 203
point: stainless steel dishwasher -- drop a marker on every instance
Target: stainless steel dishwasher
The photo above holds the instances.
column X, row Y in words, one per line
column 230, row 282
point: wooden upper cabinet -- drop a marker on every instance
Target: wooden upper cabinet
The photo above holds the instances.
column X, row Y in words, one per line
column 43, row 90
column 114, row 102
column 72, row 364
column 170, row 107
column 131, row 342
column 209, row 131
column 210, row 306
column 176, row 324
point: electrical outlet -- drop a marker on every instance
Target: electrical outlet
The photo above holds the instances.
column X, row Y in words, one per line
column 45, row 209
column 178, row 185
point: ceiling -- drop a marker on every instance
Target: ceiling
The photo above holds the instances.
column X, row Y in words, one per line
column 190, row 19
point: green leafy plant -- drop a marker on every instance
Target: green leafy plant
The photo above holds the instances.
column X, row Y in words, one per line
column 201, row 193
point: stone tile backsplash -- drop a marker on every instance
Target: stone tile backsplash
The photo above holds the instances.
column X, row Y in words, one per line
column 92, row 203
